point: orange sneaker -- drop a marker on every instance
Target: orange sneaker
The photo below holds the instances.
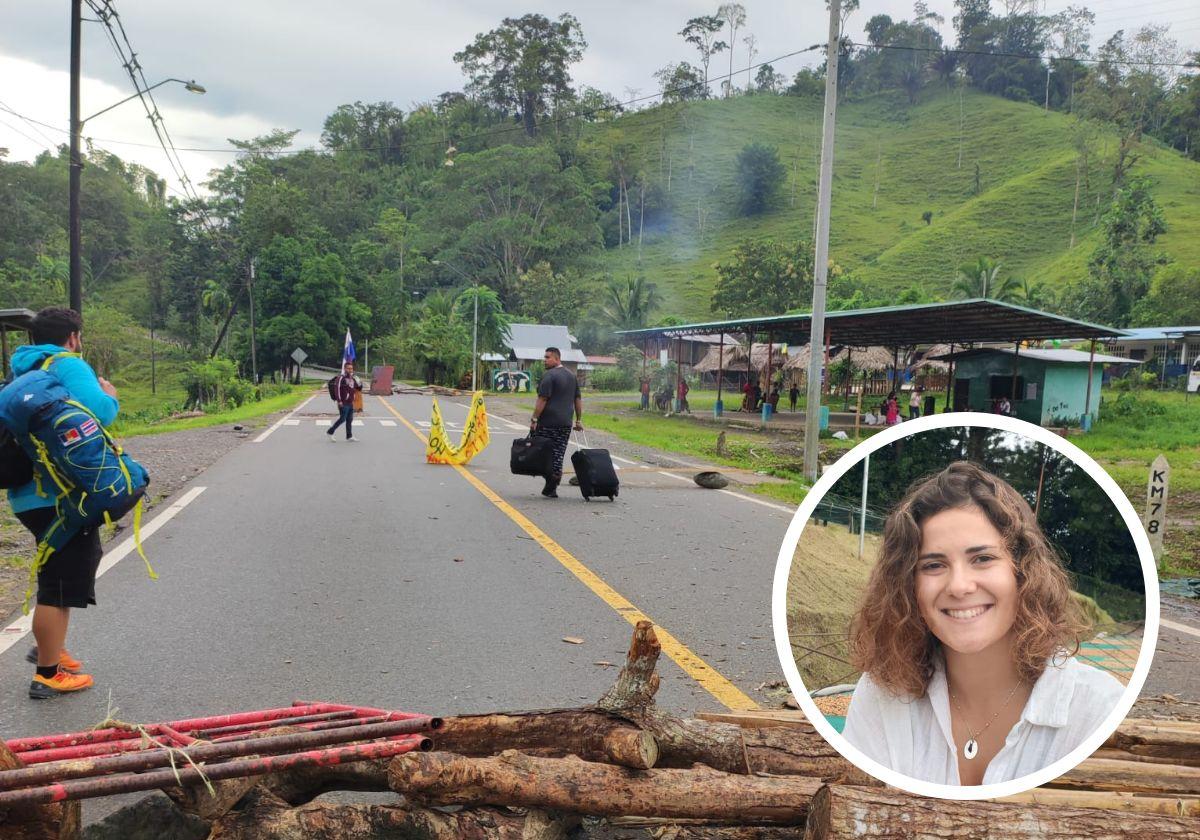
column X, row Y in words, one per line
column 44, row 688
column 65, row 660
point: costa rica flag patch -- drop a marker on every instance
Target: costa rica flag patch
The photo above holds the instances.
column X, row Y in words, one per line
column 89, row 428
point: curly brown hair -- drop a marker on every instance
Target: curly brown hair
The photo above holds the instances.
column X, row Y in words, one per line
column 888, row 637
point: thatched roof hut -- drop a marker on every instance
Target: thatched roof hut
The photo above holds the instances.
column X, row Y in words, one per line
column 864, row 358
column 729, row 357
column 926, row 358
column 758, row 356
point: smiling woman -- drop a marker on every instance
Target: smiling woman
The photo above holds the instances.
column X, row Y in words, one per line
column 967, row 636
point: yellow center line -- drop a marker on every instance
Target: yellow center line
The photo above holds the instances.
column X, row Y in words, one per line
column 707, row 676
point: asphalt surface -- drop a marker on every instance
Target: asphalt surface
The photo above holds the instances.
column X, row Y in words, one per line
column 356, row 572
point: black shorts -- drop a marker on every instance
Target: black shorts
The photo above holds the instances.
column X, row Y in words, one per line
column 69, row 577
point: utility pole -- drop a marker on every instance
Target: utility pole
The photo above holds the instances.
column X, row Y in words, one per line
column 475, row 339
column 253, row 337
column 812, row 410
column 74, row 223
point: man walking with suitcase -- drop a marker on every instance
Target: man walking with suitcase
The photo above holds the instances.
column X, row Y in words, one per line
column 558, row 400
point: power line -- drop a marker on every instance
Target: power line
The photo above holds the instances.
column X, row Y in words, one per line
column 513, row 129
column 32, row 124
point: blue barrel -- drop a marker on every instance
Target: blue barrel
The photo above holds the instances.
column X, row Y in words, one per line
column 766, row 411
column 824, row 421
column 1085, row 422
column 718, row 407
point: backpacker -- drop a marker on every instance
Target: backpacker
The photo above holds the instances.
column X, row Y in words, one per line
column 96, row 481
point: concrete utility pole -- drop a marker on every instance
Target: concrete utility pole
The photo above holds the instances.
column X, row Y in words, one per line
column 74, row 225
column 812, row 410
column 253, row 337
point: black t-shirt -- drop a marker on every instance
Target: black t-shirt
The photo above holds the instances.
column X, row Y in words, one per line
column 560, row 388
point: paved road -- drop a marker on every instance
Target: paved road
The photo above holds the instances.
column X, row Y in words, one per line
column 356, row 572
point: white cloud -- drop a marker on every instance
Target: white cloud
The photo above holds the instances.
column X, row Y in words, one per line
column 42, row 94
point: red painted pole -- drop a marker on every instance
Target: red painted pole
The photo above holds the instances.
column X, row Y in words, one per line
column 188, row 775
column 158, row 757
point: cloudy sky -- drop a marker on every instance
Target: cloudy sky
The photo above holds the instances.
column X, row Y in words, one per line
column 274, row 64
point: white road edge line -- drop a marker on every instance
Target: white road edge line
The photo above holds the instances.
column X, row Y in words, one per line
column 280, row 422
column 16, row 631
column 1182, row 628
column 783, row 508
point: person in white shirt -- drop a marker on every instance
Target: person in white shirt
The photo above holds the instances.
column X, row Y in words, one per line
column 966, row 639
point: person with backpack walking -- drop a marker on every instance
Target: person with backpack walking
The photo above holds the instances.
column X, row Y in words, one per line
column 558, row 399
column 342, row 389
column 68, row 578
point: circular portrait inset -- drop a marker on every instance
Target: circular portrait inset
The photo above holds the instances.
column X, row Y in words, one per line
column 963, row 606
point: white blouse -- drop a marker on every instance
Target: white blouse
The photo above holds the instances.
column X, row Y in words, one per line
column 1068, row 703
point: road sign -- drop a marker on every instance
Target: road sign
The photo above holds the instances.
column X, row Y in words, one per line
column 1156, row 504
column 299, row 356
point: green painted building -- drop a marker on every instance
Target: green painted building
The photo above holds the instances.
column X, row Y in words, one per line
column 1051, row 387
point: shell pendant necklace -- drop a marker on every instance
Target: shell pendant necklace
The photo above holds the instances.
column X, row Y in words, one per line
column 971, row 748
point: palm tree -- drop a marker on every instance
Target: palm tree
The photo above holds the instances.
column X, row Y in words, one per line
column 629, row 302
column 981, row 279
column 214, row 300
column 1033, row 295
column 943, row 64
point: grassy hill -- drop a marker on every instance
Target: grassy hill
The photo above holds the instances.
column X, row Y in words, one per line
column 893, row 162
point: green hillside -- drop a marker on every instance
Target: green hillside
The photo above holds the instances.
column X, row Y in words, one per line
column 893, row 162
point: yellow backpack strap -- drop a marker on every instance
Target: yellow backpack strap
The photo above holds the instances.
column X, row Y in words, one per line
column 66, row 354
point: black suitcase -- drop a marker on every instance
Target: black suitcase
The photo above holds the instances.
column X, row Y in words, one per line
column 594, row 469
column 532, row 455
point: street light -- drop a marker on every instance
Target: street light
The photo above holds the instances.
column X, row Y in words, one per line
column 475, row 328
column 75, row 223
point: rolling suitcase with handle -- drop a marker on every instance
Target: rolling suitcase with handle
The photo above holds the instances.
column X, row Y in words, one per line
column 596, row 474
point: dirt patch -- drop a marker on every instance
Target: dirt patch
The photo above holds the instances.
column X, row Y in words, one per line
column 172, row 458
column 826, row 580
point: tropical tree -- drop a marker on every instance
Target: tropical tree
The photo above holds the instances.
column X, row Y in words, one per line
column 493, row 320
column 1034, row 295
column 759, row 176
column 981, row 279
column 734, row 15
column 214, row 301
column 764, row 277
column 681, row 83
column 628, row 303
column 523, row 63
column 701, row 33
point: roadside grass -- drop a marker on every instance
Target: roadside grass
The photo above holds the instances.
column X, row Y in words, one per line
column 135, row 427
column 895, row 161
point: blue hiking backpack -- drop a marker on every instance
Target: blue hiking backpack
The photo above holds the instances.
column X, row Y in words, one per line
column 95, row 480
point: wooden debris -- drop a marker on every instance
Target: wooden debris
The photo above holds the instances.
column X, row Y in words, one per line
column 267, row 817
column 515, row 779
column 841, row 812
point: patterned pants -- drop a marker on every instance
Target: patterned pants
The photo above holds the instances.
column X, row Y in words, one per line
column 560, row 436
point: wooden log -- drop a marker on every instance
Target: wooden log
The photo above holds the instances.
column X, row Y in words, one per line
column 638, row 681
column 267, row 817
column 569, row 784
column 1109, row 801
column 57, row 821
column 589, row 734
column 841, row 812
column 781, row 751
column 1174, row 740
column 1130, row 777
column 1142, row 757
column 296, row 787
